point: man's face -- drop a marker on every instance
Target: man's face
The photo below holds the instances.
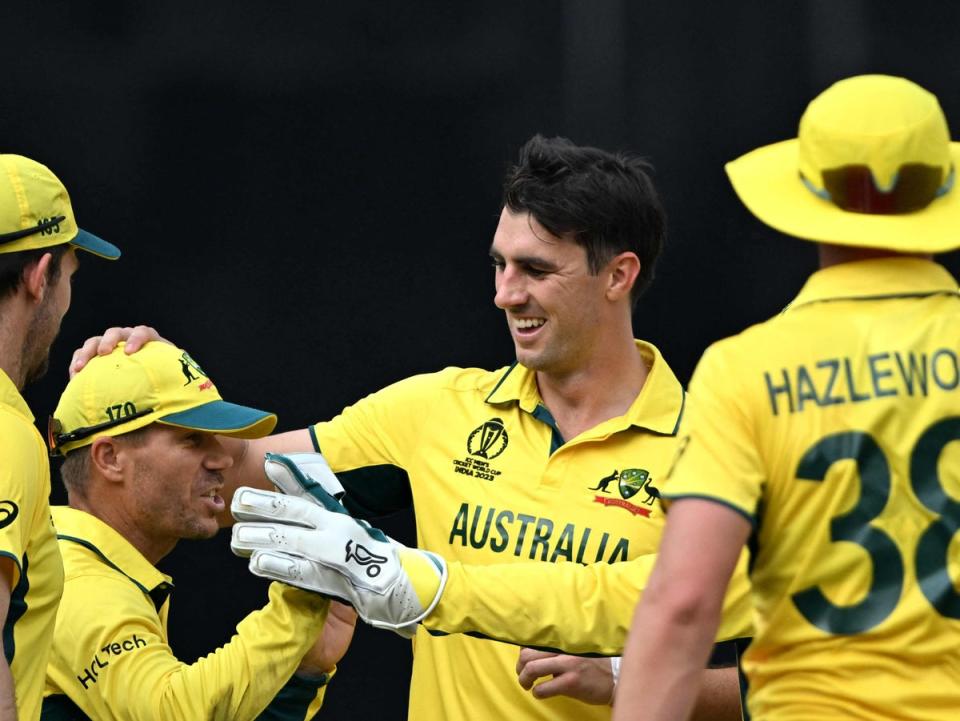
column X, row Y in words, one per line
column 551, row 299
column 177, row 477
column 46, row 321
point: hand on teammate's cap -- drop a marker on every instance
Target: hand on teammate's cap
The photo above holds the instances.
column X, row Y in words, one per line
column 135, row 338
column 306, row 538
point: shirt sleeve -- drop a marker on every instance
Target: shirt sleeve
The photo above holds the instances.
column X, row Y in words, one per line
column 111, row 657
column 718, row 457
column 20, row 488
column 566, row 607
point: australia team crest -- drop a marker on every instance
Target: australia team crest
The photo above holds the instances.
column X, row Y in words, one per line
column 630, row 482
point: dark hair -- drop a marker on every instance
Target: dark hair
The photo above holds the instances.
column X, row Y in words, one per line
column 605, row 202
column 12, row 266
column 75, row 469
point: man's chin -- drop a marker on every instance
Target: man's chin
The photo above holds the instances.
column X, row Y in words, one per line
column 38, row 371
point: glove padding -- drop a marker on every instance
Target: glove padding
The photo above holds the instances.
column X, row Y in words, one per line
column 301, row 474
column 312, row 542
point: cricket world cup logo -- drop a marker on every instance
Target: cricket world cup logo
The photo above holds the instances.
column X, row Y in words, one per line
column 488, row 440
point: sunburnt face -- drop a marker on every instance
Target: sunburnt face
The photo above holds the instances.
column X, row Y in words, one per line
column 552, row 302
column 177, row 478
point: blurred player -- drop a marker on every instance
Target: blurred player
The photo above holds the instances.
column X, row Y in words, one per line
column 143, row 469
column 38, row 241
column 519, row 464
column 827, row 436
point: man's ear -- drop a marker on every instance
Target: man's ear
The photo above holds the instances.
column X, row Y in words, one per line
column 108, row 458
column 622, row 271
column 35, row 277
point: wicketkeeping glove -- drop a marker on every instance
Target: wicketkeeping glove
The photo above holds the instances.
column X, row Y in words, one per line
column 307, row 539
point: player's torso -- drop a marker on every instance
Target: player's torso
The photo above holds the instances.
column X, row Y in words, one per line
column 856, row 410
column 489, row 490
column 28, row 630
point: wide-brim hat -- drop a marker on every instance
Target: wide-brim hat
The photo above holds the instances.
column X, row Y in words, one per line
column 872, row 166
column 120, row 392
column 35, row 211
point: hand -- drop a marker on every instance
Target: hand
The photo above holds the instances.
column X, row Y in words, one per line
column 586, row 679
column 312, row 542
column 135, row 339
column 332, row 643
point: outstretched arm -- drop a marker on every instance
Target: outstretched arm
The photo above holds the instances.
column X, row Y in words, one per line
column 676, row 620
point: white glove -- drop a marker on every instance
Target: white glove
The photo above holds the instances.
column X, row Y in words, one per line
column 313, row 543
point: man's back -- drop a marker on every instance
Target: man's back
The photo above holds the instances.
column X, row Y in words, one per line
column 831, row 427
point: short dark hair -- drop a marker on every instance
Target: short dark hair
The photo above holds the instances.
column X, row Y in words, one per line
column 605, row 202
column 12, row 266
column 75, row 469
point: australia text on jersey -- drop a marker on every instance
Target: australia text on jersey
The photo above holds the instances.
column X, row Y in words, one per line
column 832, row 381
column 505, row 531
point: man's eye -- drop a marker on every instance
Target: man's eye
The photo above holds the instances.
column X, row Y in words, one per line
column 536, row 272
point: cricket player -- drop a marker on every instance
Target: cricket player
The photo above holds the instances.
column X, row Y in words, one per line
column 826, row 436
column 143, row 468
column 38, row 241
column 552, row 459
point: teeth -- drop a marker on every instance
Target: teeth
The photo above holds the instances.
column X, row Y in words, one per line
column 530, row 322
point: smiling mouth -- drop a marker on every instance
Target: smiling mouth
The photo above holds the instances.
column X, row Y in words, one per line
column 528, row 325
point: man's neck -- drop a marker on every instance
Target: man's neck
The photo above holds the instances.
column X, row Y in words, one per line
column 603, row 388
column 835, row 254
column 12, row 342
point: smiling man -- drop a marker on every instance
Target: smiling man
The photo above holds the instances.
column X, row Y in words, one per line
column 143, row 470
column 504, row 466
column 550, row 459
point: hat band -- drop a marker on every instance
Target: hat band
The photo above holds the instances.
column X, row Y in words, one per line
column 56, row 438
column 853, row 188
column 38, row 228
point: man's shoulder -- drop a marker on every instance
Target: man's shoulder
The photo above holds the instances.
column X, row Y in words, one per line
column 454, row 379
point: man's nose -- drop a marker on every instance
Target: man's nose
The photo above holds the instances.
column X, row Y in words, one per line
column 511, row 290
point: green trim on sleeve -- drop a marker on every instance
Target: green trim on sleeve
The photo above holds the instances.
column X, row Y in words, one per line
column 18, row 605
column 293, row 700
column 313, row 437
column 670, row 498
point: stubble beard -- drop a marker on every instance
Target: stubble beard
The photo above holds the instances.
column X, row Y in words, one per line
column 43, row 331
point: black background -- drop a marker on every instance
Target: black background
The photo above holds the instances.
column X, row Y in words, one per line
column 305, row 192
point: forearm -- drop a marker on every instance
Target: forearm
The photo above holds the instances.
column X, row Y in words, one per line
column 247, row 467
column 719, row 696
column 669, row 656
column 134, row 675
column 567, row 607
column 8, row 702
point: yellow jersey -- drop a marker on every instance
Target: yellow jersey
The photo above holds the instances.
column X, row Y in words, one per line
column 831, row 428
column 111, row 660
column 28, row 539
column 493, row 482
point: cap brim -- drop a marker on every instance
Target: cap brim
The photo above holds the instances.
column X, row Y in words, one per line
column 228, row 419
column 98, row 246
column 767, row 180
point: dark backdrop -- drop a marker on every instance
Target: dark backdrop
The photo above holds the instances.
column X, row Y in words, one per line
column 305, row 192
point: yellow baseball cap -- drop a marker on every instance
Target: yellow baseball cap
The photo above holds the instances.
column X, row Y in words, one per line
column 35, row 211
column 118, row 393
column 872, row 166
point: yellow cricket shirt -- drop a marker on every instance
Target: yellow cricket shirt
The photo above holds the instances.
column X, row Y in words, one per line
column 831, row 428
column 27, row 537
column 493, row 482
column 110, row 656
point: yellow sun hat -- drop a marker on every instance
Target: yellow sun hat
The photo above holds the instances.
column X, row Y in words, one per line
column 872, row 166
